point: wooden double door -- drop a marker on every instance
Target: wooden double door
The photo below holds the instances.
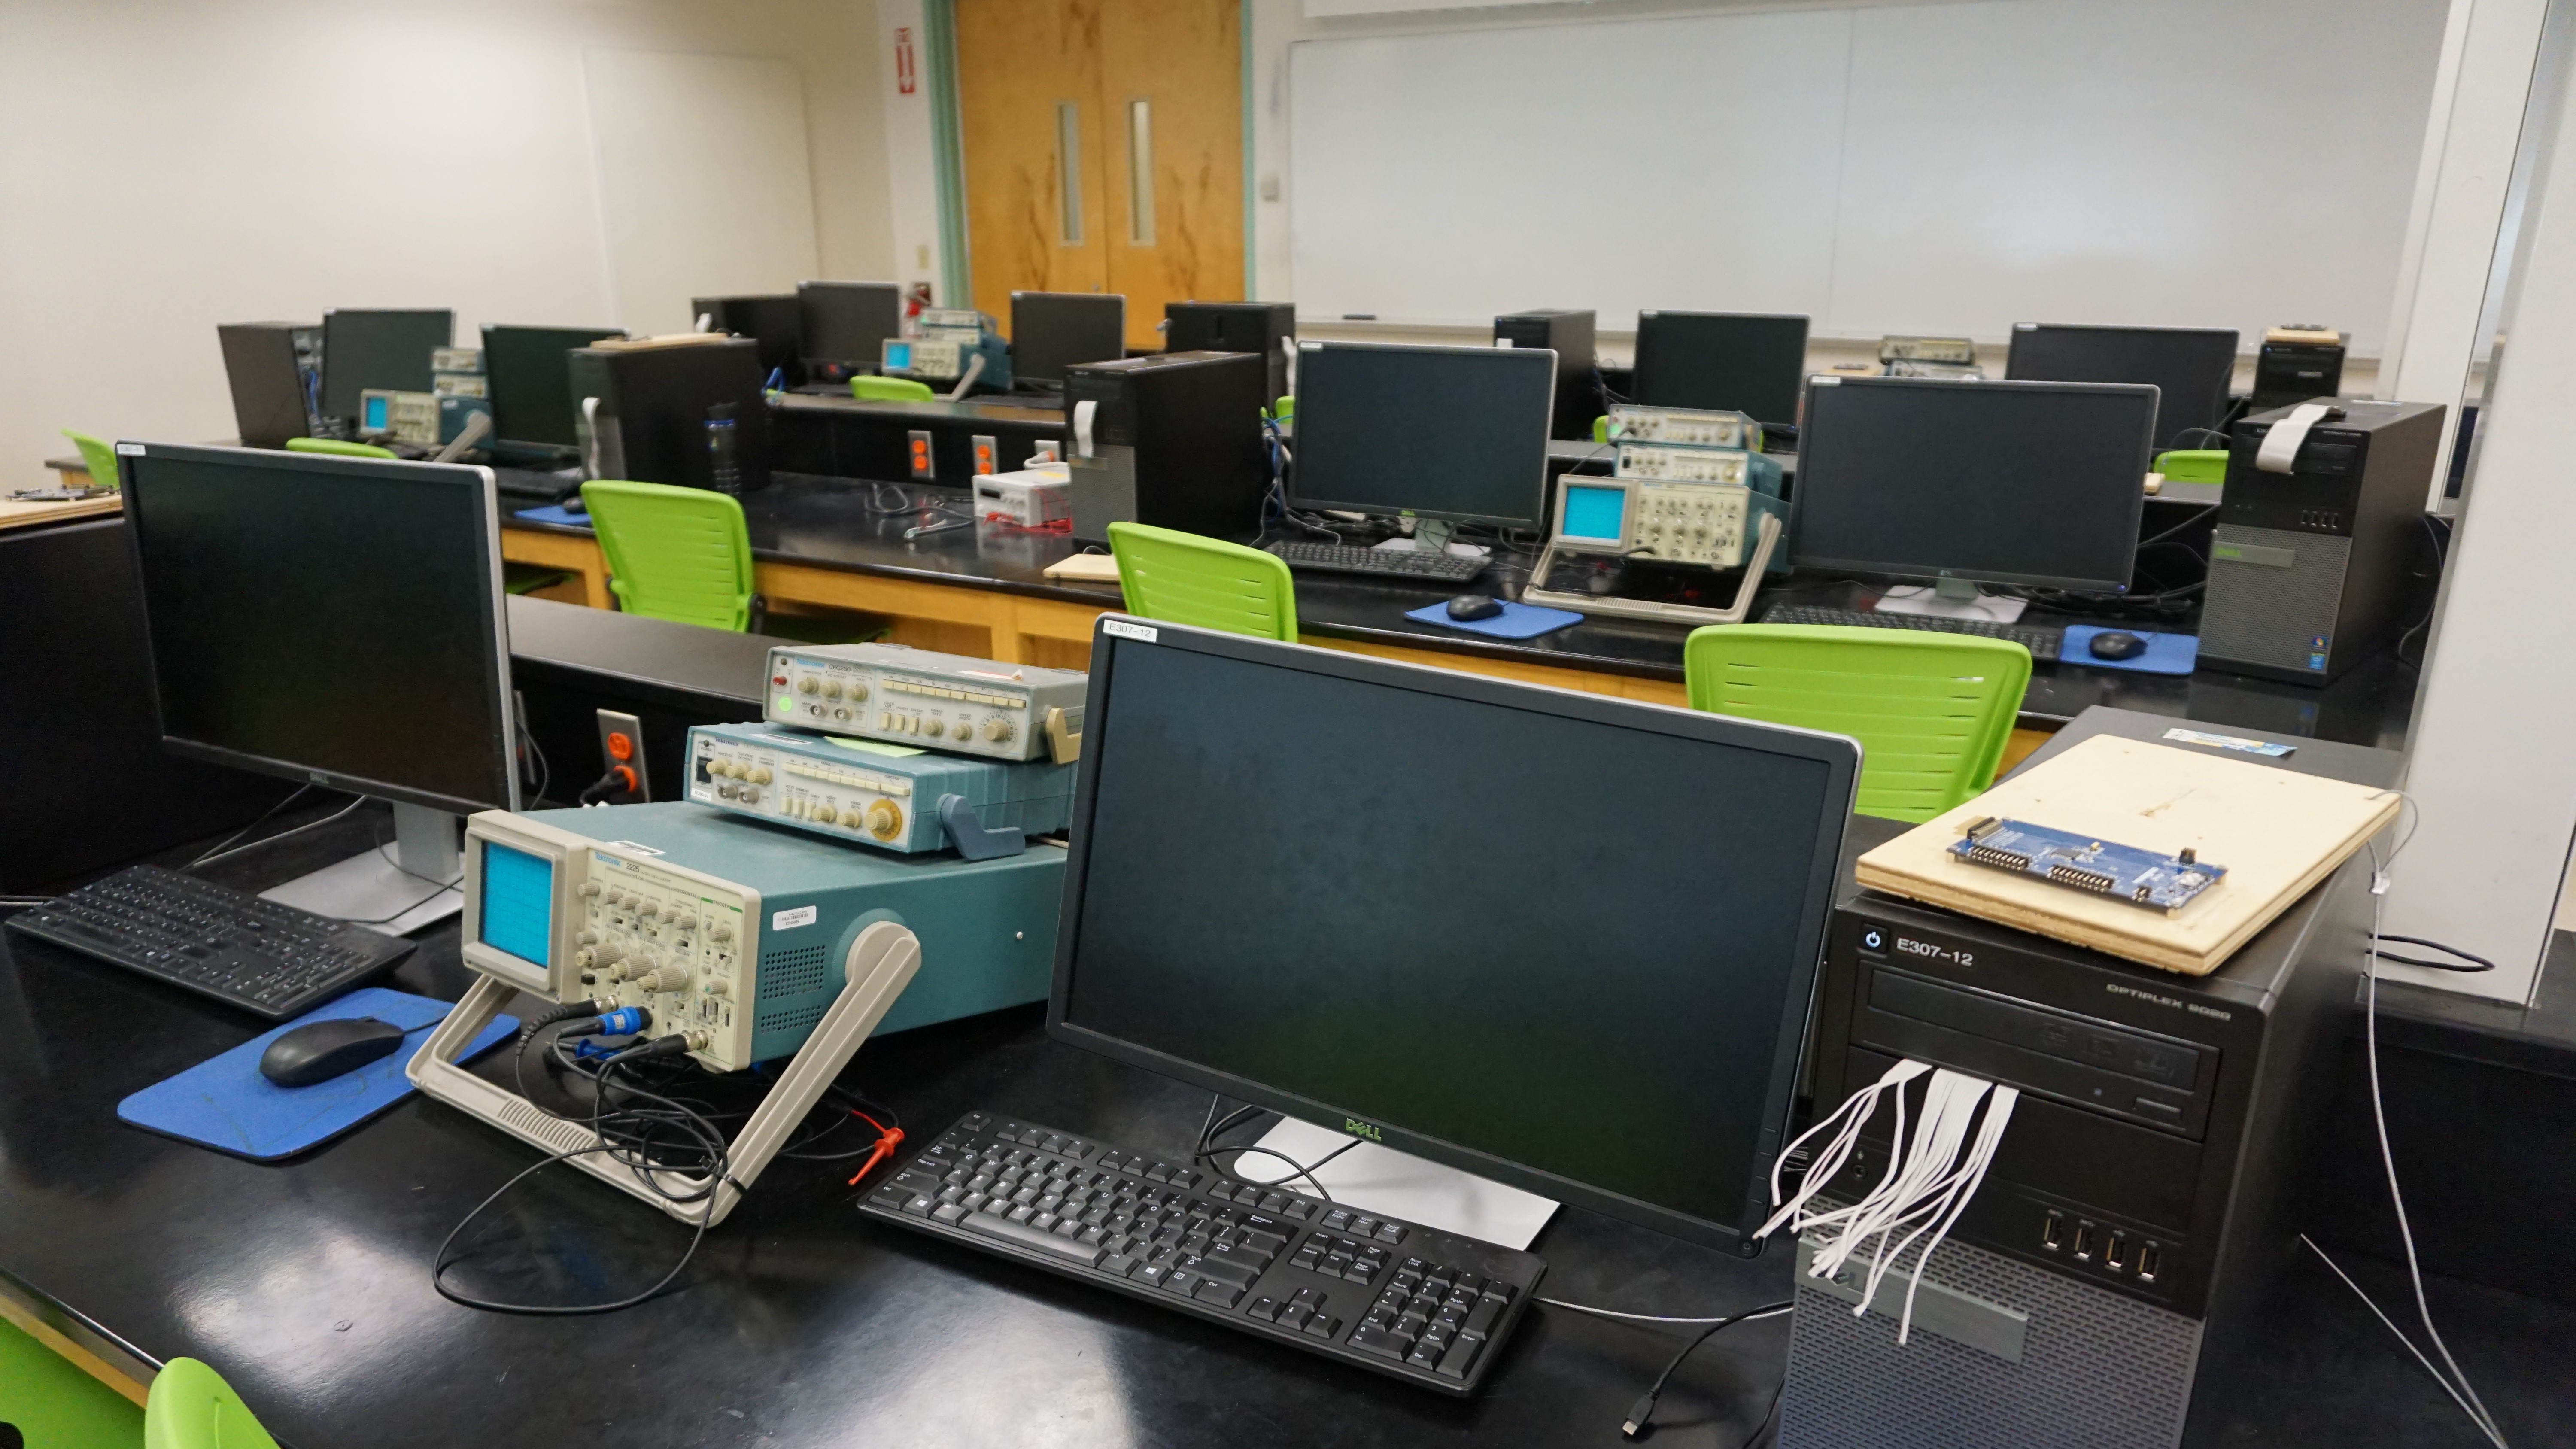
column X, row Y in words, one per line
column 1103, row 148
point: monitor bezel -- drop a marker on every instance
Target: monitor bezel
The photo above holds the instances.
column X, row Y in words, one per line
column 495, row 621
column 1801, row 496
column 1840, row 755
column 808, row 305
column 1538, row 515
column 1019, row 369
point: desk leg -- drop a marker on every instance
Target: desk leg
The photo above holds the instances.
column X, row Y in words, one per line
column 578, row 552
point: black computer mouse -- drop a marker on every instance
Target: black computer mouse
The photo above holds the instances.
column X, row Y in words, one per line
column 1474, row 606
column 2116, row 645
column 326, row 1049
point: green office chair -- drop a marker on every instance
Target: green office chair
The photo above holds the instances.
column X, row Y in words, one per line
column 338, row 448
column 46, row 1400
column 1285, row 410
column 681, row 554
column 1181, row 578
column 1932, row 711
column 191, row 1407
column 2193, row 465
column 97, row 458
column 891, row 389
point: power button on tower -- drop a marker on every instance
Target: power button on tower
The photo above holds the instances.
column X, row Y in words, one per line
column 1873, row 938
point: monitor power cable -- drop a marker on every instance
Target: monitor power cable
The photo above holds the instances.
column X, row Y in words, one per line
column 1210, row 1129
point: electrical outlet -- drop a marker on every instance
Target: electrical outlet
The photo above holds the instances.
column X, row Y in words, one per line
column 922, row 467
column 621, row 748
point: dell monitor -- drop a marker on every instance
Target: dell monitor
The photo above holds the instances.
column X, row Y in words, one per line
column 845, row 326
column 528, row 371
column 1961, row 481
column 1737, row 362
column 1051, row 331
column 1618, row 1026
column 2191, row 366
column 387, row 673
column 271, row 368
column 386, row 350
column 1456, row 434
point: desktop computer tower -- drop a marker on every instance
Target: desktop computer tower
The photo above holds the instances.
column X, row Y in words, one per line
column 1173, row 440
column 2102, row 1285
column 1266, row 328
column 2287, row 372
column 274, row 368
column 1570, row 333
column 655, row 401
column 2308, row 569
column 776, row 323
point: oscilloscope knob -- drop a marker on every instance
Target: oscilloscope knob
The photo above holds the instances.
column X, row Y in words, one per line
column 826, row 814
column 808, row 685
column 832, row 689
column 934, row 729
column 858, row 692
column 885, row 819
column 997, row 730
column 760, row 774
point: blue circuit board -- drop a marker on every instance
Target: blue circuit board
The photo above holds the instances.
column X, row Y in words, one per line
column 2078, row 862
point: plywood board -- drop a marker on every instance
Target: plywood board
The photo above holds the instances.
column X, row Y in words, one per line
column 20, row 514
column 2277, row 832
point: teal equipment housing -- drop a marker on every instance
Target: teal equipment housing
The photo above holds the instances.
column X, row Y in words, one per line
column 865, row 792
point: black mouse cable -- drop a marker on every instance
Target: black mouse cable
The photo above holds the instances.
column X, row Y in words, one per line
column 1641, row 1414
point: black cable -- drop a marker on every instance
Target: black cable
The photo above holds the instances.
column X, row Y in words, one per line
column 439, row 1262
column 1767, row 1416
column 1208, row 1153
column 1641, row 1414
column 600, row 788
column 2481, row 962
column 298, row 793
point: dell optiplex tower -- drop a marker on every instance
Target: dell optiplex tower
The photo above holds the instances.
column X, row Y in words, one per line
column 2102, row 1285
column 1266, row 328
column 1570, row 333
column 654, row 401
column 2308, row 569
column 1173, row 440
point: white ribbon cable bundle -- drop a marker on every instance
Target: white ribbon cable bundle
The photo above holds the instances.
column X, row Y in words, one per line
column 1930, row 1176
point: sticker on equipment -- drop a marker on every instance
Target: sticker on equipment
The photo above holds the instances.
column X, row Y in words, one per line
column 790, row 920
column 1126, row 630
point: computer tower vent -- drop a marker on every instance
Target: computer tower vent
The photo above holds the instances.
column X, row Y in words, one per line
column 2097, row 1370
column 2273, row 596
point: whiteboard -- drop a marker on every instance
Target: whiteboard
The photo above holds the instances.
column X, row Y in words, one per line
column 703, row 182
column 1949, row 168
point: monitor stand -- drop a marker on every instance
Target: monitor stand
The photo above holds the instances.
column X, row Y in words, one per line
column 1432, row 535
column 1951, row 599
column 392, row 889
column 1374, row 1179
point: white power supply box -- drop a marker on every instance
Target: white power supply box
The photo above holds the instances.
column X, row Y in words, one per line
column 1039, row 497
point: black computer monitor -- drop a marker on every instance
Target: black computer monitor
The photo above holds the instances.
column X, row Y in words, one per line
column 528, row 371
column 1457, row 433
column 266, row 364
column 2037, row 483
column 1608, row 1012
column 1051, row 331
column 388, row 350
column 1741, row 362
column 776, row 321
column 332, row 620
column 2192, row 366
column 845, row 325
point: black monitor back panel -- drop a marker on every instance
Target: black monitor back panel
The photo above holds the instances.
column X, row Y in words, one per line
column 2190, row 367
column 1744, row 362
column 378, row 349
column 528, row 371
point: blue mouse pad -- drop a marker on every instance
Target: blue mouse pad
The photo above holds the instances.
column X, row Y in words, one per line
column 224, row 1103
column 1516, row 621
column 2166, row 653
column 554, row 513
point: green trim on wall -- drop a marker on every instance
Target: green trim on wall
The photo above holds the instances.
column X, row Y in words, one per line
column 947, row 151
column 1251, row 182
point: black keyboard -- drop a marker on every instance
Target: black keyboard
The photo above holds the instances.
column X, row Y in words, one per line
column 213, row 940
column 1413, row 1302
column 2039, row 639
column 1343, row 558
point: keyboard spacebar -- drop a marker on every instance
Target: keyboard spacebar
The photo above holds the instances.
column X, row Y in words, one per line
column 996, row 1226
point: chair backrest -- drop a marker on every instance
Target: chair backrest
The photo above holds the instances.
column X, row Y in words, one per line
column 2193, row 465
column 339, row 448
column 1931, row 711
column 97, row 458
column 1182, row 578
column 891, row 389
column 191, row 1407
column 681, row 554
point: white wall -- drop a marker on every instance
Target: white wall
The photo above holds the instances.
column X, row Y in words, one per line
column 168, row 165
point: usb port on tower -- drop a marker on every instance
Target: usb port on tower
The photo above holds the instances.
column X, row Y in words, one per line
column 2052, row 1234
column 2116, row 1257
column 2149, row 1256
column 2084, row 1242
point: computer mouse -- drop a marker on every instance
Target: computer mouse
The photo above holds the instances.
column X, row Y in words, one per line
column 326, row 1049
column 2117, row 645
column 1474, row 606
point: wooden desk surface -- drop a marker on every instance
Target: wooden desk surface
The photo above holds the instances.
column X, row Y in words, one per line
column 18, row 514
